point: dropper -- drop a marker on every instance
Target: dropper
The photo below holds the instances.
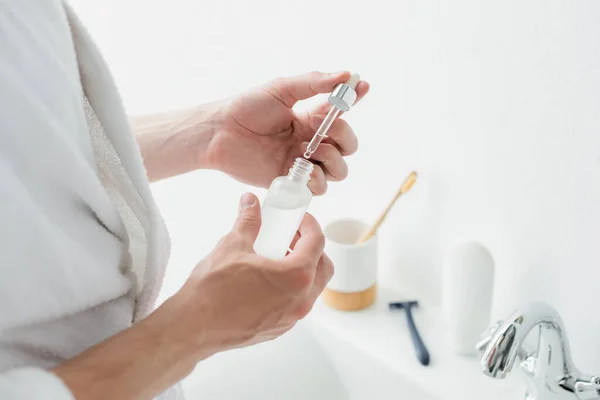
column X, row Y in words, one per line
column 341, row 99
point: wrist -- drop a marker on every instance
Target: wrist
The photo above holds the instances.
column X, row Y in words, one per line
column 200, row 133
column 178, row 142
column 139, row 362
column 184, row 318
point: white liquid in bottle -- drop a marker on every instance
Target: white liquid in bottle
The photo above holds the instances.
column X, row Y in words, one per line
column 283, row 210
column 276, row 233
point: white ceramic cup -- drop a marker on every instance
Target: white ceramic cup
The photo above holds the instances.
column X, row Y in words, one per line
column 355, row 264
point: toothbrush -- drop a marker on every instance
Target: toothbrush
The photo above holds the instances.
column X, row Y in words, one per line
column 406, row 185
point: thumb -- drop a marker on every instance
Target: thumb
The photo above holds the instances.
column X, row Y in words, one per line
column 295, row 88
column 248, row 221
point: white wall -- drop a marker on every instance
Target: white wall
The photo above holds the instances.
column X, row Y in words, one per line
column 495, row 104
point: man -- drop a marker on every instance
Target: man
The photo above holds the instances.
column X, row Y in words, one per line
column 83, row 248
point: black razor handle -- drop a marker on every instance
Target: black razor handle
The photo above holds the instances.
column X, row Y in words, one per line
column 420, row 349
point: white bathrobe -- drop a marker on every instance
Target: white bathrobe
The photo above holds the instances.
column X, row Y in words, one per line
column 83, row 247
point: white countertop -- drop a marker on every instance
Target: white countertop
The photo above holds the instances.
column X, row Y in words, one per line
column 384, row 335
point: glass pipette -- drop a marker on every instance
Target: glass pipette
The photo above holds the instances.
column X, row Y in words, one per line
column 341, row 99
column 322, row 131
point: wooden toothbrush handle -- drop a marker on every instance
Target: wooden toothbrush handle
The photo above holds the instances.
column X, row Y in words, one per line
column 371, row 231
column 406, row 185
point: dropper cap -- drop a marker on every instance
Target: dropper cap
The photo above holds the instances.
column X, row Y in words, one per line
column 344, row 94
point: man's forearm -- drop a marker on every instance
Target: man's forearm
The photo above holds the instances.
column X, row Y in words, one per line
column 173, row 143
column 139, row 363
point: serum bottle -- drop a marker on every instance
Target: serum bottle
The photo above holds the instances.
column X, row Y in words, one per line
column 283, row 209
column 289, row 196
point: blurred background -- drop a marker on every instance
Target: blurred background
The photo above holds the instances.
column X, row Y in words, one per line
column 495, row 104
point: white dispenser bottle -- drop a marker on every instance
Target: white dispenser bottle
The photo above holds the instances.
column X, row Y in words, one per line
column 468, row 284
column 283, row 210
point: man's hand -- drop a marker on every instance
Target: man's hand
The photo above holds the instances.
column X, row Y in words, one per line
column 258, row 135
column 244, row 298
column 254, row 137
column 233, row 298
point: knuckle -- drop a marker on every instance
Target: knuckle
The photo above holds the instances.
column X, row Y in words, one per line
column 309, row 218
column 303, row 310
column 320, row 240
column 278, row 82
column 315, row 172
column 314, row 74
column 225, row 241
column 250, row 220
column 302, row 278
column 288, row 327
column 307, row 264
column 230, row 241
column 305, row 279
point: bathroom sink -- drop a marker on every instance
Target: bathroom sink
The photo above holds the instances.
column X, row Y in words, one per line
column 307, row 363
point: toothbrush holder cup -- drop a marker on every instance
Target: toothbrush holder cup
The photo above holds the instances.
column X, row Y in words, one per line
column 353, row 285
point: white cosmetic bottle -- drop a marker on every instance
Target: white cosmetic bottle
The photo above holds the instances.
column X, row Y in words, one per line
column 283, row 210
column 288, row 198
column 468, row 284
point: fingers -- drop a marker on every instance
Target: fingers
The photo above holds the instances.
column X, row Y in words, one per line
column 323, row 274
column 362, row 88
column 331, row 161
column 310, row 244
column 318, row 181
column 295, row 240
column 307, row 265
column 293, row 89
column 340, row 133
column 248, row 221
column 293, row 244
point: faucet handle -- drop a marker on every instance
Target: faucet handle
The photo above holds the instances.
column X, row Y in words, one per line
column 487, row 335
column 588, row 390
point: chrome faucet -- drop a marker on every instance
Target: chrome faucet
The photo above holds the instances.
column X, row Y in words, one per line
column 549, row 371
